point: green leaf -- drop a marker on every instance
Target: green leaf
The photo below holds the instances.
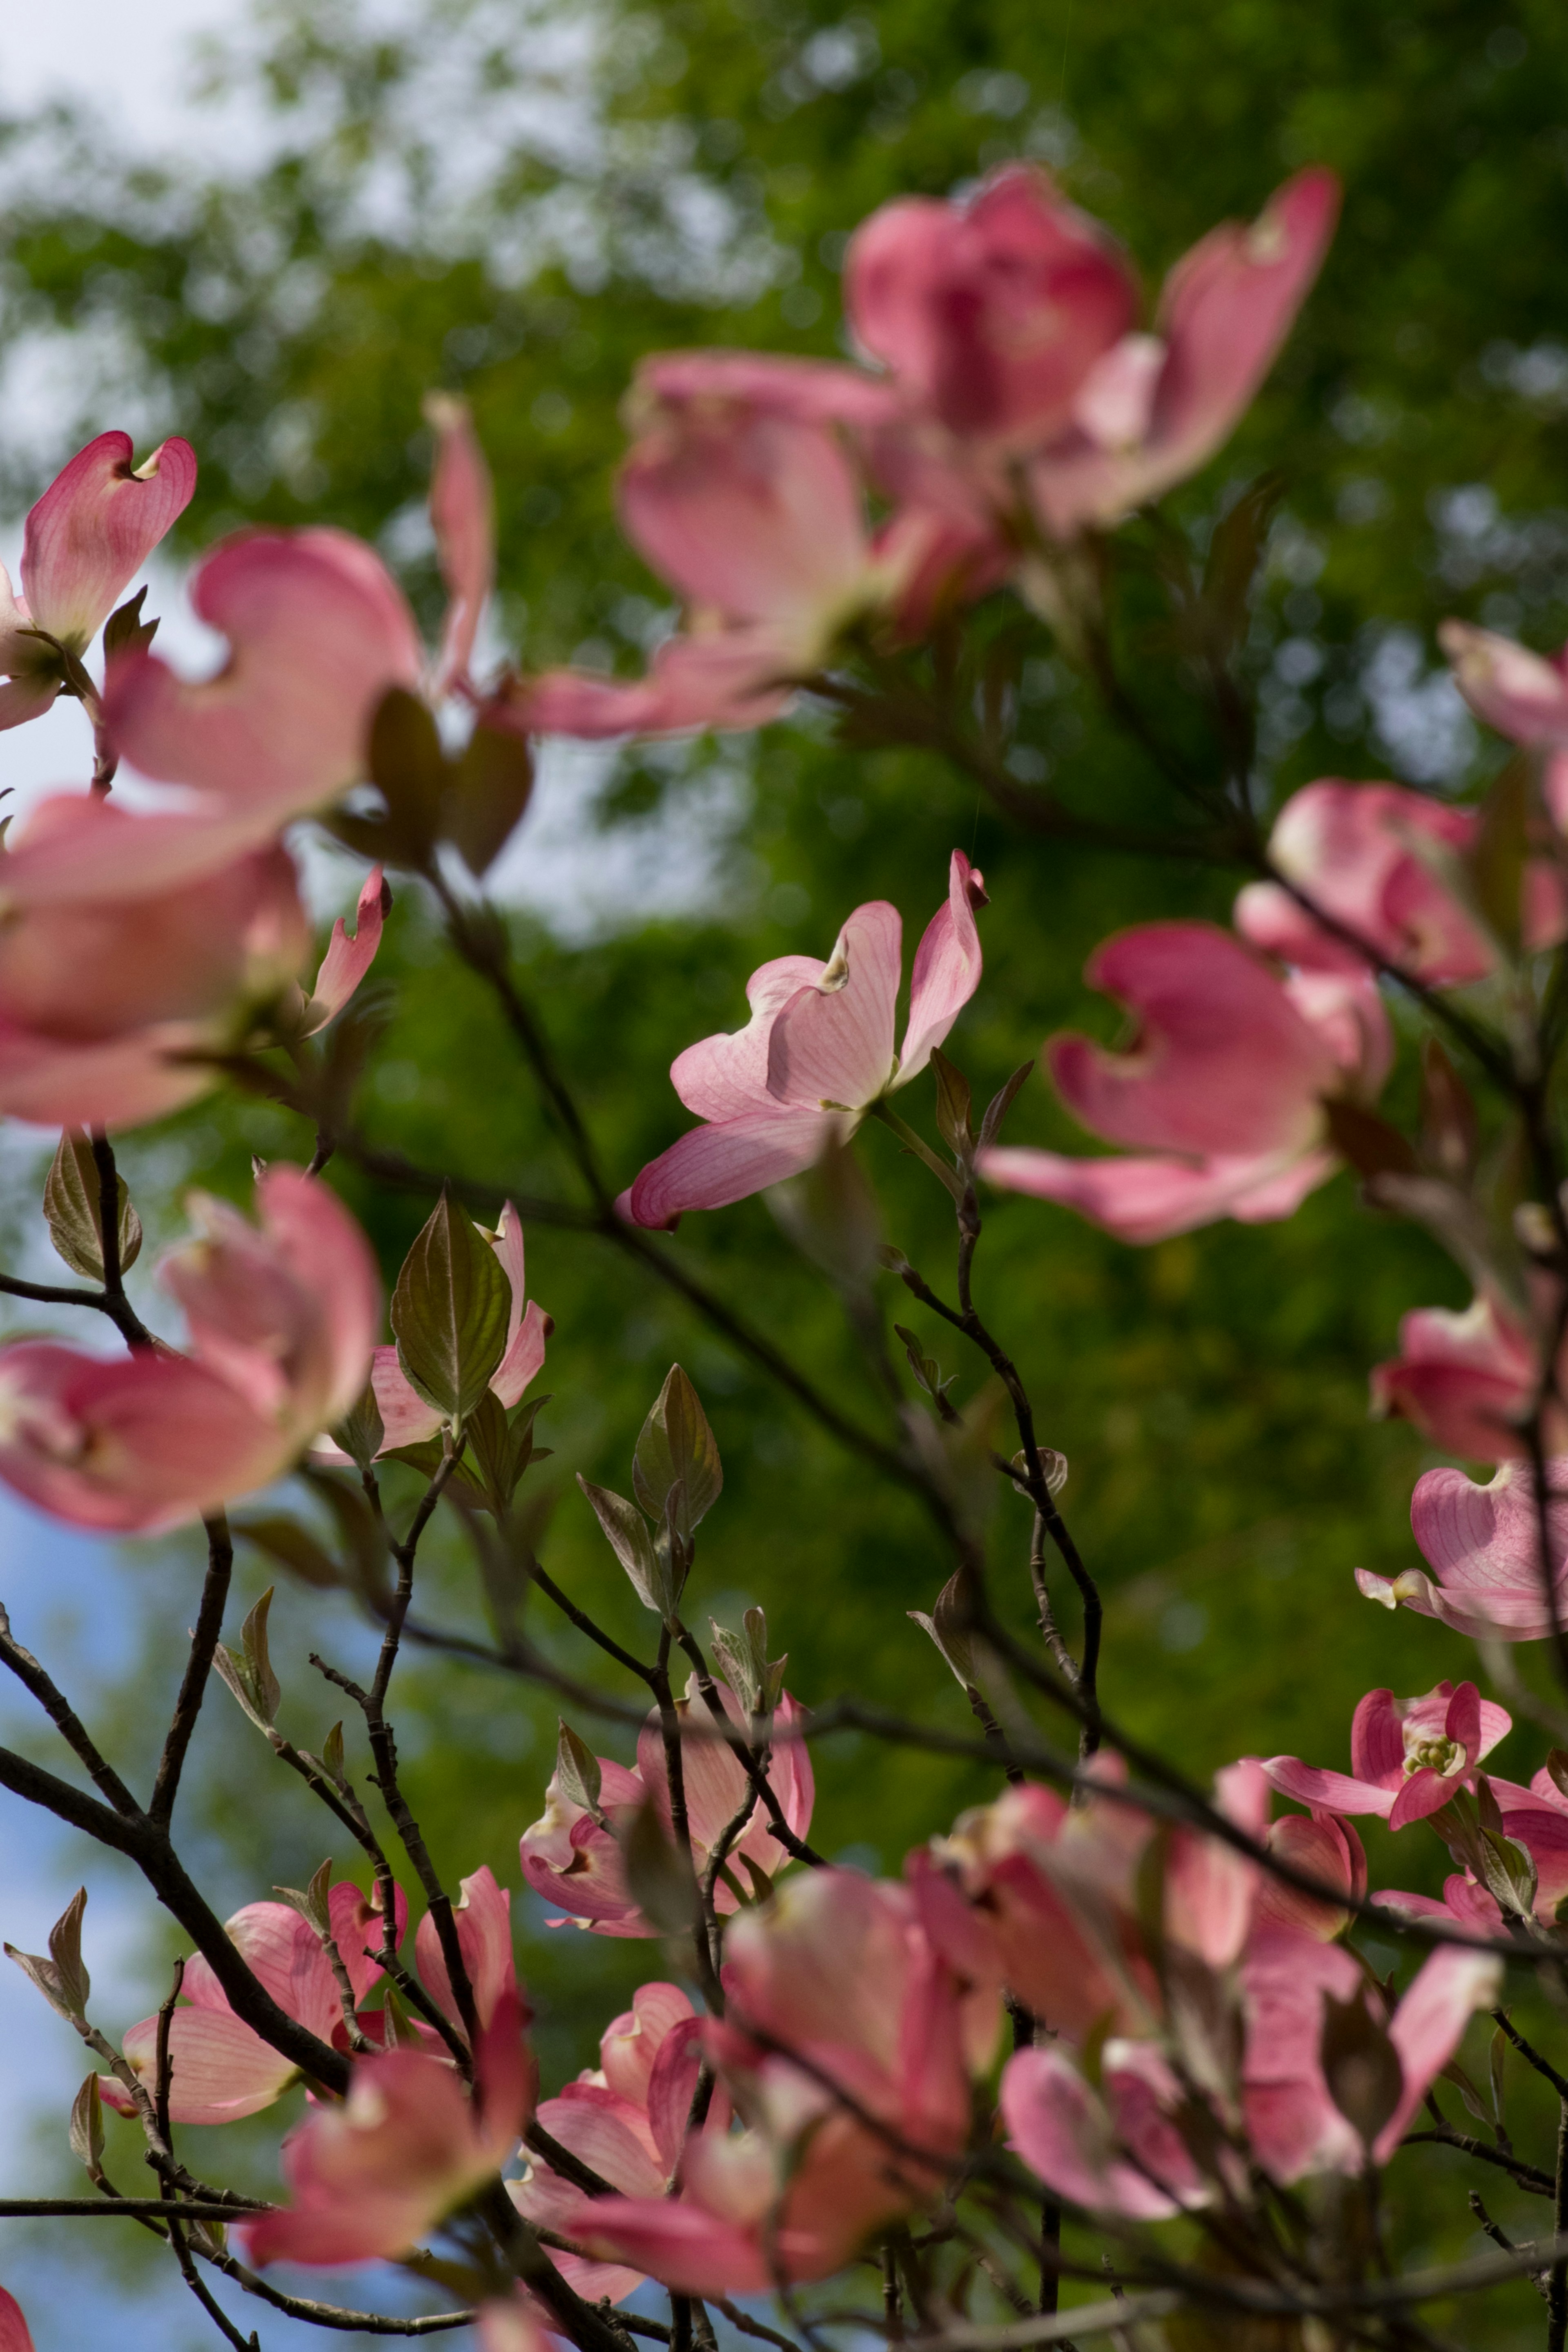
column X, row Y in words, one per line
column 1360, row 2065
column 949, row 1627
column 362, row 1432
column 71, row 1196
column 501, row 1444
column 676, row 1460
column 660, row 1879
column 1235, row 552
column 294, row 1547
column 251, row 1676
column 633, row 1546
column 125, row 632
column 87, row 2127
column 311, row 1902
column 577, row 1772
column 1001, row 1103
column 1372, row 1146
column 449, row 1313
column 61, row 1978
column 489, row 789
column 954, row 1103
column 409, row 769
column 1499, row 849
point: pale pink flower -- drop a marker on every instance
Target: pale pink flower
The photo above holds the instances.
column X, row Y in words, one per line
column 483, row 1919
column 857, row 1980
column 1291, row 2121
column 372, row 2174
column 1483, row 1546
column 1523, row 695
column 1468, row 1380
column 1224, row 1085
column 462, row 516
column 85, row 542
column 220, row 2068
column 1070, row 2135
column 817, row 1055
column 282, row 1320
column 1156, row 407
column 406, row 1419
column 574, row 1861
column 758, row 522
column 626, row 2120
column 1407, row 1759
column 1384, row 863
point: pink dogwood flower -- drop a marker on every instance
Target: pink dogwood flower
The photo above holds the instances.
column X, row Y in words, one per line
column 865, row 1983
column 1069, row 2135
column 1220, row 1093
column 758, row 522
column 369, row 2175
column 573, row 1859
column 1523, row 695
column 85, row 542
column 482, row 1916
column 1384, row 863
column 626, row 2118
column 1483, row 1546
column 220, row 2068
column 15, row 2332
column 1291, row 2121
column 1468, row 1381
column 1156, row 407
column 406, row 1419
column 1322, row 1847
column 282, row 1319
column 815, row 1057
column 1406, row 1760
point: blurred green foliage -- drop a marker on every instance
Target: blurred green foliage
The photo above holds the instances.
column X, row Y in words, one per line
column 518, row 206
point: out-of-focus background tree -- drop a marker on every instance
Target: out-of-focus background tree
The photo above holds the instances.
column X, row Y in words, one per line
column 514, row 200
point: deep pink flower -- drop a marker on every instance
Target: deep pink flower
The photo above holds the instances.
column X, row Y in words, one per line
column 1323, row 1847
column 816, row 1054
column 1467, row 1382
column 1224, row 1083
column 1372, row 856
column 14, row 2334
column 1406, row 1760
column 220, row 2068
column 574, row 1861
column 371, row 2174
column 86, row 539
column 990, row 314
column 406, row 1418
column 1482, row 1545
column 282, row 1320
column 1155, row 408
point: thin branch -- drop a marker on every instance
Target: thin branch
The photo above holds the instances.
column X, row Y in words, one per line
column 133, row 1331
column 198, row 1666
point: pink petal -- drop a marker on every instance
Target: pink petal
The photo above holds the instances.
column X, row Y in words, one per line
column 1063, row 2133
column 1429, row 2024
column 693, row 2252
column 1355, row 850
column 751, row 515
column 524, row 1357
column 483, row 1919
column 1377, row 1740
column 1147, row 1200
column 15, row 2335
column 724, row 1076
column 810, row 392
column 318, row 631
column 405, row 1417
column 66, row 854
column 1223, row 1062
column 131, row 1445
column 991, row 316
column 1424, row 1792
column 220, row 2070
column 356, row 1924
column 1464, row 1380
column 832, row 1044
column 630, row 2044
column 605, row 2132
column 1336, row 1793
column 737, row 679
column 947, row 968
column 727, row 1160
column 1520, row 694
column 1322, row 1848
column 1482, row 1545
column 462, row 512
column 347, row 960
column 95, row 527
column 24, row 698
